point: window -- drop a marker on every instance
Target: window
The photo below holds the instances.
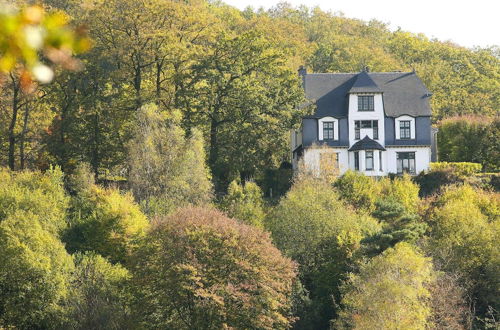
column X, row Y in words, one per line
column 406, row 162
column 365, row 103
column 380, row 159
column 328, row 130
column 365, row 124
column 369, row 160
column 404, row 129
column 356, row 160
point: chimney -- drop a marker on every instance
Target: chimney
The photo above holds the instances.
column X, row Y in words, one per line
column 302, row 71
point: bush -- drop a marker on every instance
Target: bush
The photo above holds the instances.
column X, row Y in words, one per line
column 358, row 190
column 464, row 235
column 167, row 170
column 105, row 221
column 42, row 194
column 470, row 139
column 461, row 169
column 99, row 295
column 35, row 273
column 199, row 269
column 245, row 203
column 319, row 231
column 403, row 190
column 390, row 292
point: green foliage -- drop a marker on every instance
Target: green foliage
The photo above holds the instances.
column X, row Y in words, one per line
column 35, row 272
column 167, row 170
column 358, row 190
column 433, row 181
column 316, row 229
column 198, row 269
column 246, row 99
column 390, row 292
column 99, row 295
column 403, row 190
column 105, row 221
column 462, row 169
column 464, row 234
column 39, row 193
column 398, row 225
column 276, row 182
column 470, row 139
column 245, row 203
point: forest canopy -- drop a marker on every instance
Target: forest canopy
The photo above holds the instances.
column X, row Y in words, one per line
column 229, row 74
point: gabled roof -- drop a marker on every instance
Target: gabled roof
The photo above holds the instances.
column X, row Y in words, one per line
column 364, row 84
column 366, row 144
column 403, row 92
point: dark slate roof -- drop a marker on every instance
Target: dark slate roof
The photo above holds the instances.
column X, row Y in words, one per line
column 403, row 92
column 364, row 83
column 366, row 144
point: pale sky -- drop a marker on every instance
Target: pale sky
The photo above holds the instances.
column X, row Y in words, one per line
column 467, row 23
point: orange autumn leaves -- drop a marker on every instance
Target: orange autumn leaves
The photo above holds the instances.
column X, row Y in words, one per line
column 33, row 41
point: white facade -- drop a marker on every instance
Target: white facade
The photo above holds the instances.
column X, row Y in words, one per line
column 312, row 159
column 422, row 158
column 377, row 114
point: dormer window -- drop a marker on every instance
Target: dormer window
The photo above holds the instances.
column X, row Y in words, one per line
column 365, row 103
column 328, row 130
column 405, row 129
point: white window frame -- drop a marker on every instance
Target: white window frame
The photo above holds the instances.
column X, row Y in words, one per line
column 397, row 126
column 335, row 128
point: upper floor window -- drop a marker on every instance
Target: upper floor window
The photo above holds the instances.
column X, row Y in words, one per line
column 328, row 130
column 365, row 124
column 405, row 129
column 365, row 103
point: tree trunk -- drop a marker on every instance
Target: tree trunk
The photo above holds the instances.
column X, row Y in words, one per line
column 13, row 121
column 22, row 139
column 95, row 147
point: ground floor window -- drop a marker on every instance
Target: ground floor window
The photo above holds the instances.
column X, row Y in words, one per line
column 380, row 159
column 356, row 160
column 406, row 162
column 369, row 160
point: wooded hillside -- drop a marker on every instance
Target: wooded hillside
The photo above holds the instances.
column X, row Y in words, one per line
column 230, row 74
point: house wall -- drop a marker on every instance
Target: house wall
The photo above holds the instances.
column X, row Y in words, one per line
column 309, row 131
column 377, row 114
column 422, row 158
column 422, row 135
column 311, row 159
column 376, row 163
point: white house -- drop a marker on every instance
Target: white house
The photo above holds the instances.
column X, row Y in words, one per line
column 375, row 123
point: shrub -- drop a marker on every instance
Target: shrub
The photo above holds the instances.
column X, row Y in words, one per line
column 319, row 231
column 403, row 190
column 461, row 169
column 358, row 190
column 199, row 269
column 42, row 194
column 167, row 170
column 245, row 203
column 99, row 294
column 105, row 221
column 470, row 139
column 35, row 273
column 464, row 234
column 390, row 292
